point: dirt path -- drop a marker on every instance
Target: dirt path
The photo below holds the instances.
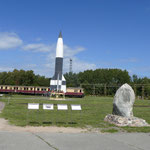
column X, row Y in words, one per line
column 5, row 126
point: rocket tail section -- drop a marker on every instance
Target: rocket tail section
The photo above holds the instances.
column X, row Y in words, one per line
column 57, row 84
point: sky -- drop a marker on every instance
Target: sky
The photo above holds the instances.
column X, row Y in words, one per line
column 96, row 34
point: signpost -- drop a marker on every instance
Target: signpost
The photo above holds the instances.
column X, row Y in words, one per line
column 62, row 106
column 76, row 107
column 48, row 106
column 33, row 106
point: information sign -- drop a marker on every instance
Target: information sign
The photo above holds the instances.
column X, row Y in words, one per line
column 48, row 106
column 76, row 107
column 33, row 106
column 62, row 106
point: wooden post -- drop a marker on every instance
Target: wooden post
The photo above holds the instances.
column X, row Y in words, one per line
column 135, row 89
column 143, row 92
column 105, row 90
column 93, row 89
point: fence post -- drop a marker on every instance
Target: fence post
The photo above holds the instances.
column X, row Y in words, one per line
column 93, row 89
column 143, row 92
column 135, row 89
column 105, row 90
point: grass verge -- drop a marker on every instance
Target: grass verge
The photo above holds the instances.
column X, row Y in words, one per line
column 94, row 109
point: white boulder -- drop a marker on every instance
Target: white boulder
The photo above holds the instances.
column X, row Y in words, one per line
column 123, row 101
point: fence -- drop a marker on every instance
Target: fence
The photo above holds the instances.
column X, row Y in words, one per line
column 142, row 91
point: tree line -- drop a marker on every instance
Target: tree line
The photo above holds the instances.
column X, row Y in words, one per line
column 104, row 76
column 107, row 81
column 22, row 77
column 89, row 80
column 98, row 76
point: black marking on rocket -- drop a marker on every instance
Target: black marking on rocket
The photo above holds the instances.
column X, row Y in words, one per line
column 63, row 82
column 54, row 87
column 58, row 69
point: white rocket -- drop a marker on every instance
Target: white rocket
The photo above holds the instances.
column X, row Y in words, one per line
column 58, row 82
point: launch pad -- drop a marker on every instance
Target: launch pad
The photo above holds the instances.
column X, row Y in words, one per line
column 57, row 96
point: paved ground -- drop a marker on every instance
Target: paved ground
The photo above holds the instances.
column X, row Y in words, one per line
column 73, row 141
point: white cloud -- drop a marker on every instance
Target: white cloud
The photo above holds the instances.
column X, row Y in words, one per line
column 6, row 69
column 9, row 40
column 70, row 52
column 38, row 47
column 78, row 65
column 38, row 39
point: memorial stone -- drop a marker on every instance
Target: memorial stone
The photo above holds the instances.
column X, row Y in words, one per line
column 123, row 101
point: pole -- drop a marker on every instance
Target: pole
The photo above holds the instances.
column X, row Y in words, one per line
column 135, row 90
column 143, row 92
column 105, row 90
column 93, row 89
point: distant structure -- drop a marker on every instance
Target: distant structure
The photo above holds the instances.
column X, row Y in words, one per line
column 58, row 82
column 70, row 67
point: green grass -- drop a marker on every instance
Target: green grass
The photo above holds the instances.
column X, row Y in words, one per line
column 94, row 109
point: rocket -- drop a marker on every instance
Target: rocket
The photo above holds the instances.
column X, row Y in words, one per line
column 58, row 82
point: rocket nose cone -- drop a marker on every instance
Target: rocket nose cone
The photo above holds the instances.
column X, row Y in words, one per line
column 60, row 35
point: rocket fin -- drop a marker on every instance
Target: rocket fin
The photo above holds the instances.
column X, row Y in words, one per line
column 63, row 78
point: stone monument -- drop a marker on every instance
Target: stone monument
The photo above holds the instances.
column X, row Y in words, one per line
column 122, row 114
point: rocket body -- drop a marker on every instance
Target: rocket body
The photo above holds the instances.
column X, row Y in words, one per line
column 58, row 82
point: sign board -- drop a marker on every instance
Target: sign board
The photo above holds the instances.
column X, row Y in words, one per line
column 62, row 106
column 48, row 106
column 33, row 106
column 76, row 107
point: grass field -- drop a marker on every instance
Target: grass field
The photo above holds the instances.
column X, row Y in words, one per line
column 94, row 109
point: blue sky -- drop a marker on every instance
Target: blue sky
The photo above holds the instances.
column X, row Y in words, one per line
column 96, row 34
